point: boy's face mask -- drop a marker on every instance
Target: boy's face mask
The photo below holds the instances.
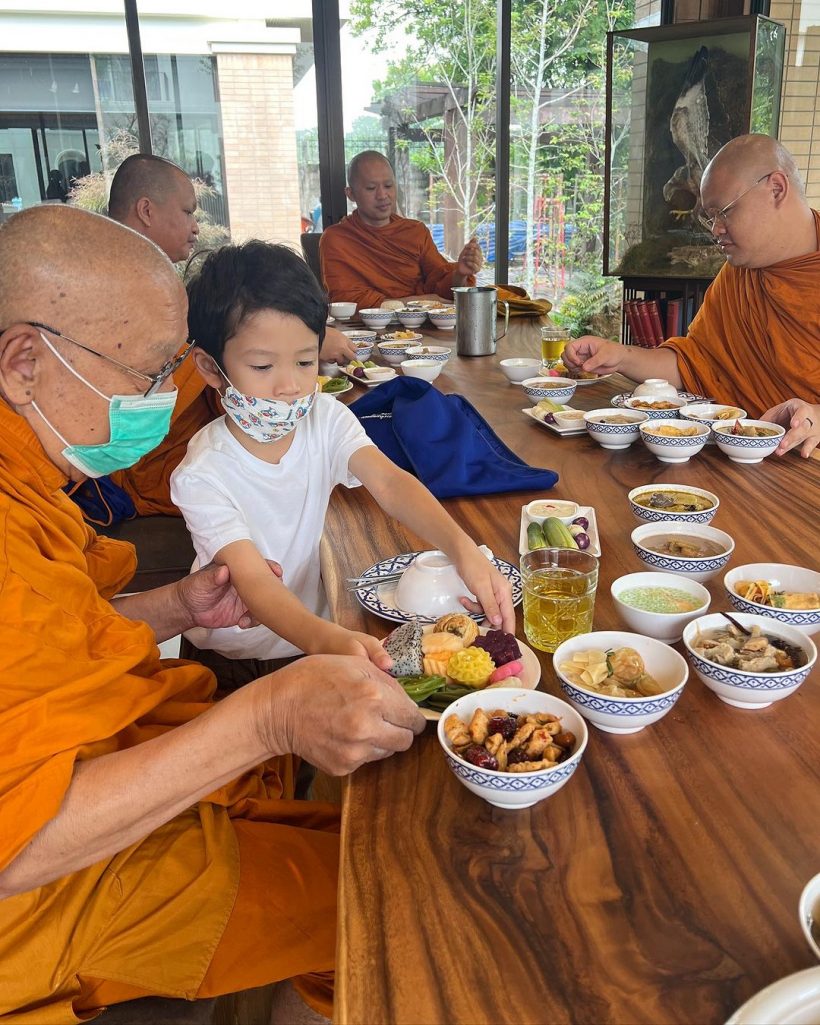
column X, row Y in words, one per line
column 265, row 419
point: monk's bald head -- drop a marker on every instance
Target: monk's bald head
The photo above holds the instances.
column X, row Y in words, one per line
column 139, row 175
column 749, row 157
column 372, row 187
column 365, row 162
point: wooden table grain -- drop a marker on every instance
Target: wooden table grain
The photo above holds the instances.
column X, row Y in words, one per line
column 661, row 884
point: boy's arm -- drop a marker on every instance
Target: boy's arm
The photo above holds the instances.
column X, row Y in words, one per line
column 407, row 500
column 270, row 602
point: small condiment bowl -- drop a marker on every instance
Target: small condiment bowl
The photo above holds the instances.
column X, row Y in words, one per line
column 540, row 509
column 437, row 353
column 710, row 413
column 663, row 626
column 376, row 319
column 558, row 389
column 809, row 911
column 342, row 311
column 569, row 418
column 380, row 374
column 671, row 449
column 655, row 388
column 443, row 321
column 694, row 569
column 655, row 414
column 359, row 336
column 426, row 369
column 738, row 687
column 392, row 352
column 614, row 436
column 624, row 715
column 782, row 576
column 412, row 318
column 519, row 369
column 513, row 789
column 646, row 515
column 363, row 350
column 741, row 449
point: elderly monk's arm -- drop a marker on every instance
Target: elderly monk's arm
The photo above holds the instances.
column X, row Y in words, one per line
column 597, row 355
column 117, row 799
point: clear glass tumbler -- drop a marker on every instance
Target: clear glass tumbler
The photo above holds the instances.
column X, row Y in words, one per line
column 559, row 595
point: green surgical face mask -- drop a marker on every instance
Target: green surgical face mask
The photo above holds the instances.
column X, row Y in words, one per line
column 137, row 425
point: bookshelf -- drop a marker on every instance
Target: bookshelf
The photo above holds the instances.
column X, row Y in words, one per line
column 687, row 293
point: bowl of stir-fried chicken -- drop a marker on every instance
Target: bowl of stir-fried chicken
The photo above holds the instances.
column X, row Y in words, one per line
column 751, row 667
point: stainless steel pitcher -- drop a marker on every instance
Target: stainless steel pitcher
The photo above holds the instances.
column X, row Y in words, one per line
column 475, row 320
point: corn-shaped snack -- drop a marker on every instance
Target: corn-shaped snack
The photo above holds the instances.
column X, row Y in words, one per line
column 472, row 667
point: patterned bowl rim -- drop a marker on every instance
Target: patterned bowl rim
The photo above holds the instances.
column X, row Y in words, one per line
column 759, row 683
column 637, row 704
column 791, row 617
column 701, row 492
column 673, row 440
column 803, row 641
column 511, row 782
column 687, row 559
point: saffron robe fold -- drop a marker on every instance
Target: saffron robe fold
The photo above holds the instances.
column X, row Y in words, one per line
column 755, row 341
column 79, row 681
column 367, row 265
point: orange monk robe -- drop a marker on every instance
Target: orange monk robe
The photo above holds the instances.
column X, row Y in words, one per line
column 148, row 481
column 367, row 265
column 756, row 339
column 79, row 681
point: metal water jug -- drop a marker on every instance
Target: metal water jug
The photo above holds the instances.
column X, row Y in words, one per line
column 475, row 320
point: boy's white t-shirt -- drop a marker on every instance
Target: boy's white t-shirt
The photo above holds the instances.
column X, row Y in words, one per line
column 227, row 494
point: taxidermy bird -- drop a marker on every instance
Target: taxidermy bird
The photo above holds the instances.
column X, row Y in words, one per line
column 689, row 126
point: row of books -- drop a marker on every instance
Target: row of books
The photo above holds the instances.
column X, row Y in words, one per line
column 651, row 321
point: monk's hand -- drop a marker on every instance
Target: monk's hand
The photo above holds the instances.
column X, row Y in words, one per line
column 338, row 712
column 209, row 599
column 470, row 262
column 491, row 589
column 336, row 347
column 592, row 354
column 802, row 422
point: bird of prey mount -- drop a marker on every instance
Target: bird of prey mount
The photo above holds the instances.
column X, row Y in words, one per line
column 689, row 126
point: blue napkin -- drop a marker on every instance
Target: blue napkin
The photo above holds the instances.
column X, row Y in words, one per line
column 444, row 441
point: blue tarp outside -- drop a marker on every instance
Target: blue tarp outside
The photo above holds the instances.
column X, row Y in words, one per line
column 486, row 238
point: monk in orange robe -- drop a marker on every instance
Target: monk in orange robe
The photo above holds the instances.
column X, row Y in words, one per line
column 148, row 840
column 374, row 254
column 754, row 342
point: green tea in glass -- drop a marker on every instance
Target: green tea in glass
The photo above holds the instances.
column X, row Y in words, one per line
column 559, row 595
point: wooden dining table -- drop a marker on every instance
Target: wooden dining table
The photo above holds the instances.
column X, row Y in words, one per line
column 661, row 883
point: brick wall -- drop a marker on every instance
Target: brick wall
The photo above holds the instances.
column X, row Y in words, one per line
column 259, row 138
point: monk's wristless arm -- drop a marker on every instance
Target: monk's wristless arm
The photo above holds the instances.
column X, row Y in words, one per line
column 160, row 608
column 640, row 364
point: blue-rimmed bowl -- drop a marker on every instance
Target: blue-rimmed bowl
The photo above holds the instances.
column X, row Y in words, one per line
column 783, row 577
column 695, row 569
column 513, row 789
column 635, row 404
column 624, row 715
column 359, row 337
column 558, row 389
column 392, row 352
column 444, row 321
column 376, row 319
column 436, row 353
column 647, row 515
column 741, row 449
column 672, row 449
column 614, row 436
column 412, row 318
column 363, row 350
column 744, row 689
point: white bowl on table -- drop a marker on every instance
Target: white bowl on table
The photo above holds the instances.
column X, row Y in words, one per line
column 741, row 688
column 443, row 320
column 741, row 449
column 657, row 515
column 513, row 789
column 412, row 318
column 425, row 369
column 655, row 414
column 431, row 585
column 376, row 319
column 699, row 569
column 541, row 508
column 380, row 374
column 392, row 352
column 614, row 436
column 437, row 353
column 624, row 715
column 557, row 389
column 519, row 368
column 672, row 449
column 783, row 577
column 711, row 412
column 809, row 912
column 358, row 336
column 663, row 626
column 342, row 310
column 655, row 388
column 363, row 350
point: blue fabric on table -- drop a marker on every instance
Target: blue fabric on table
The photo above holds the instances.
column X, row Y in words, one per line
column 444, row 441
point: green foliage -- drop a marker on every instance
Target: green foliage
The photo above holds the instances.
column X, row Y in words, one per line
column 591, row 306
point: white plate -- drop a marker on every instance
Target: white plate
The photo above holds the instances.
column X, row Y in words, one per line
column 555, row 428
column 330, row 320
column 583, row 381
column 348, row 385
column 381, row 601
column 794, row 1000
column 583, row 510
column 364, row 381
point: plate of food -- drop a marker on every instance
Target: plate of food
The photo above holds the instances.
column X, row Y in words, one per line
column 380, row 599
column 438, row 663
column 351, row 371
column 545, row 408
column 685, row 396
column 581, row 377
column 586, row 379
column 334, row 385
column 584, row 523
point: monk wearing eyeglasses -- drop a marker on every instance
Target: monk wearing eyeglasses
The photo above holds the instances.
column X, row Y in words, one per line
column 149, row 843
column 754, row 342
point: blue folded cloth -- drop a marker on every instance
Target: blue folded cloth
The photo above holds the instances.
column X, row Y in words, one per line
column 444, row 441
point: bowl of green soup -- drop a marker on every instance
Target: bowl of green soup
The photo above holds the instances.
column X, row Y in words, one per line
column 659, row 605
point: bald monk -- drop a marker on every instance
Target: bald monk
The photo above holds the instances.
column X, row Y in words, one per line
column 754, row 342
column 374, row 254
column 148, row 840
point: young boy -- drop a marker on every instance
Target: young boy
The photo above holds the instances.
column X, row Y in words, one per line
column 255, row 484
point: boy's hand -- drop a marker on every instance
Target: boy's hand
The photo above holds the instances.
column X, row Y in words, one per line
column 493, row 591
column 339, row 641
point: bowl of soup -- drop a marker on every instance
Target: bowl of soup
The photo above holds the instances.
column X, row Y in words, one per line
column 747, row 441
column 654, row 503
column 558, row 389
column 659, row 605
column 694, row 550
column 614, row 428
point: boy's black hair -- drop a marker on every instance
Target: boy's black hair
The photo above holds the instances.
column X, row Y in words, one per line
column 238, row 281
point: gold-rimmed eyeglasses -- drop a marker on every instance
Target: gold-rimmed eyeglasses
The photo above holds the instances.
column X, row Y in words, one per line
column 709, row 220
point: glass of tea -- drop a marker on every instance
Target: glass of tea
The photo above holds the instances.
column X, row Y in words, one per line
column 559, row 595
column 553, row 341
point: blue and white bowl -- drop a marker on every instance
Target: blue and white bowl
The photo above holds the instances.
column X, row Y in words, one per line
column 624, row 715
column 392, row 352
column 436, row 353
column 376, row 319
column 695, row 569
column 743, row 689
column 558, row 389
column 746, row 450
column 444, row 321
column 634, row 403
column 615, row 436
column 364, row 350
column 646, row 515
column 674, row 449
column 357, row 337
column 412, row 318
column 513, row 789
column 783, row 577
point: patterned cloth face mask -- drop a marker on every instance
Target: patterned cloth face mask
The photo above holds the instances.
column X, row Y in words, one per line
column 265, row 419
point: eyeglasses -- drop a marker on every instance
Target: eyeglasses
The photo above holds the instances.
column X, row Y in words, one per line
column 710, row 220
column 157, row 380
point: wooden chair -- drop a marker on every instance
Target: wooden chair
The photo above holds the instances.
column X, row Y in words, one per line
column 310, row 249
